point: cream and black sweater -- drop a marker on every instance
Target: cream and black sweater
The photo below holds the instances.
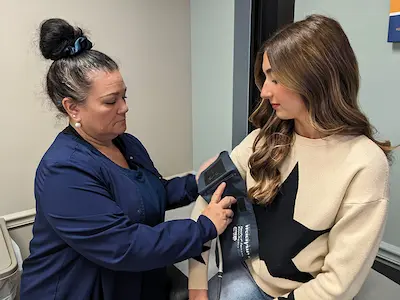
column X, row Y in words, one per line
column 319, row 237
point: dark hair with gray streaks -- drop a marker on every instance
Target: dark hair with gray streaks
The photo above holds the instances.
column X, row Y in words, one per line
column 69, row 74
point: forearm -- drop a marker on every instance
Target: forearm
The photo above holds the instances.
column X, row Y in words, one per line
column 113, row 242
column 181, row 191
column 198, row 267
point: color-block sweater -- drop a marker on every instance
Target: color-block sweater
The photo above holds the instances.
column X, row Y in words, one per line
column 319, row 237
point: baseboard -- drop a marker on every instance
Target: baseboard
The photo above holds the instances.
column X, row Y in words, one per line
column 180, row 174
column 390, row 255
column 20, row 219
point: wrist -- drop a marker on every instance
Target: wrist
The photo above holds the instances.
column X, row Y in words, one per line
column 198, row 294
column 207, row 227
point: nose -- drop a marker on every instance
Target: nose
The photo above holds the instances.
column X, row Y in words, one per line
column 266, row 92
column 124, row 108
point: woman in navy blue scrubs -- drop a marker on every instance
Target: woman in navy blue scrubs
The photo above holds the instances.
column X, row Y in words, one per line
column 99, row 231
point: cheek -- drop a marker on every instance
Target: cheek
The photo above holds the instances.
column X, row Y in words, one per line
column 99, row 116
column 292, row 102
column 298, row 110
column 298, row 105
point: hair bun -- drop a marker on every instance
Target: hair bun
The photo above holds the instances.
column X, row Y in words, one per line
column 58, row 39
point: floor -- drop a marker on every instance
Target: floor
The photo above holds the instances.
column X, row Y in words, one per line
column 383, row 283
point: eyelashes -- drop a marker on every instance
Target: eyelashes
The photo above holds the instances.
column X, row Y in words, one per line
column 113, row 101
column 268, row 77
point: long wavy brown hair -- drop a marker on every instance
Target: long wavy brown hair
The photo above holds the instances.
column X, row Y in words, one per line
column 313, row 58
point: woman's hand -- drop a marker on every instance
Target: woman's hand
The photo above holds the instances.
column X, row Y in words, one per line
column 219, row 211
column 204, row 166
column 198, row 295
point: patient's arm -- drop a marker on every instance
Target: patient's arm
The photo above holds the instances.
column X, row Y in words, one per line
column 198, row 267
column 198, row 295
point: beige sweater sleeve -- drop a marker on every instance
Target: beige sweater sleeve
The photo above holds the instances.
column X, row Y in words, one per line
column 198, row 272
column 354, row 239
column 241, row 154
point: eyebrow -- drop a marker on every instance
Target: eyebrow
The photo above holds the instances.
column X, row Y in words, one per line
column 268, row 71
column 113, row 94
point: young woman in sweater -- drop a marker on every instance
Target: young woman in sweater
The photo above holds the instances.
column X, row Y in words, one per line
column 315, row 173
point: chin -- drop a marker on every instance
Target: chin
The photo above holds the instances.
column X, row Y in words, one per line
column 118, row 131
column 120, row 126
column 123, row 129
column 283, row 116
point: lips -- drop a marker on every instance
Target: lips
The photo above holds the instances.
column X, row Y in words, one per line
column 275, row 105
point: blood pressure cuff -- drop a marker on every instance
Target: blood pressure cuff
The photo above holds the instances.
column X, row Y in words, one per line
column 240, row 240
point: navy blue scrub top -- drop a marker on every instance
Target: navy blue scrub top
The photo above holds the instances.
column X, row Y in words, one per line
column 99, row 231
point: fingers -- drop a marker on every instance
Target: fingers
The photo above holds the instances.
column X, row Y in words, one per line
column 227, row 202
column 216, row 197
column 229, row 213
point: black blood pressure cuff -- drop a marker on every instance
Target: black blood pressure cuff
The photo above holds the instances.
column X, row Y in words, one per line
column 240, row 240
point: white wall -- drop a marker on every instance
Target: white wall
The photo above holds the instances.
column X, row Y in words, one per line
column 366, row 24
column 150, row 39
column 212, row 35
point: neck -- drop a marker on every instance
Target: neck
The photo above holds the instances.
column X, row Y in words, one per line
column 95, row 142
column 306, row 130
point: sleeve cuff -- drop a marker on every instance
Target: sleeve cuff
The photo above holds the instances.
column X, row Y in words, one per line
column 191, row 188
column 207, row 227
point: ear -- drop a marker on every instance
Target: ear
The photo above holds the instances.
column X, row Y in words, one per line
column 72, row 108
